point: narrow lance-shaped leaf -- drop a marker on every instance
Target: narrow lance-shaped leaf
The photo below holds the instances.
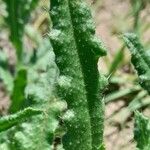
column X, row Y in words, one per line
column 140, row 59
column 77, row 51
column 18, row 94
column 142, row 131
column 119, row 56
column 121, row 93
column 7, row 122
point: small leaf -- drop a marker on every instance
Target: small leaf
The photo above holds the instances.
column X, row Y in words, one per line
column 140, row 59
column 7, row 122
column 18, row 94
column 142, row 131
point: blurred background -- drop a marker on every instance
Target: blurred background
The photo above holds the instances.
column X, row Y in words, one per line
column 112, row 18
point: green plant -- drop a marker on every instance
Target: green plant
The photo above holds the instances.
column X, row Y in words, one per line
column 31, row 88
column 36, row 132
column 9, row 121
column 63, row 108
column 77, row 51
column 18, row 15
column 141, row 61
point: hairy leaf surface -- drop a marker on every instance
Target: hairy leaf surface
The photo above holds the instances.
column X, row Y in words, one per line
column 140, row 59
column 7, row 122
column 77, row 51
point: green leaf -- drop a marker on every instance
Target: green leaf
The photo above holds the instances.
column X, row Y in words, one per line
column 142, row 131
column 7, row 122
column 18, row 94
column 121, row 93
column 39, row 132
column 139, row 101
column 18, row 14
column 140, row 59
column 117, row 60
column 77, row 51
